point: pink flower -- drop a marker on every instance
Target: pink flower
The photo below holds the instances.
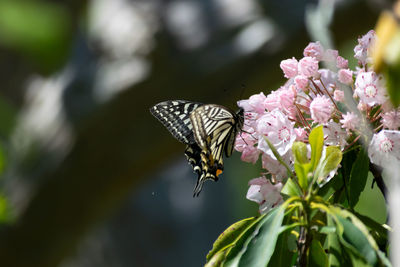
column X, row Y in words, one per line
column 272, row 102
column 370, row 88
column 257, row 102
column 335, row 135
column 330, row 55
column 254, row 103
column 301, row 81
column 308, row 66
column 245, row 143
column 384, row 148
column 362, row 50
column 338, row 95
column 277, row 127
column 274, row 167
column 301, row 134
column 345, row 76
column 289, row 67
column 321, row 109
column 391, row 120
column 287, row 98
column 350, row 121
column 342, row 63
column 314, row 50
column 328, row 78
column 264, row 193
column 250, row 154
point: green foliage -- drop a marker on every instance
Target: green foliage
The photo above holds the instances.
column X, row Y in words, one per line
column 291, row 188
column 38, row 29
column 328, row 234
column 392, row 69
column 301, row 164
column 5, row 212
column 316, row 140
column 358, row 177
column 333, row 156
column 228, row 237
column 317, row 255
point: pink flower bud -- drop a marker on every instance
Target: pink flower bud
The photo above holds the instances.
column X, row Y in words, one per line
column 350, row 121
column 289, row 67
column 338, row 95
column 314, row 50
column 345, row 76
column 308, row 66
column 257, row 102
column 321, row 109
column 391, row 120
column 342, row 63
column 301, row 134
column 301, row 81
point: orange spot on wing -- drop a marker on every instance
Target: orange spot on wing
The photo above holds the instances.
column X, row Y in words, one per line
column 219, row 172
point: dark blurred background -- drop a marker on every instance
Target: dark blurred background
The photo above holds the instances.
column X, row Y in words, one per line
column 90, row 178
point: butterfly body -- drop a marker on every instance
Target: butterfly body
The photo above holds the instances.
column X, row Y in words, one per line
column 208, row 130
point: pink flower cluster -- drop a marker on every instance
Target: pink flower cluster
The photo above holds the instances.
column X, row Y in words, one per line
column 311, row 96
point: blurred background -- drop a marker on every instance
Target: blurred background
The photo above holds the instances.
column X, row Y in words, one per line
column 89, row 177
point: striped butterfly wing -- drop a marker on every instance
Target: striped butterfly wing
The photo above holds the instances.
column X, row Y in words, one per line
column 214, row 129
column 175, row 116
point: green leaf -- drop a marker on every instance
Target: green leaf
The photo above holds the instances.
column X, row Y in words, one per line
column 302, row 171
column 354, row 235
column 301, row 164
column 261, row 242
column 377, row 230
column 392, row 69
column 333, row 246
column 38, row 29
column 291, row 188
column 282, row 255
column 265, row 241
column 234, row 252
column 278, row 157
column 328, row 189
column 358, row 177
column 317, row 255
column 216, row 259
column 357, row 260
column 5, row 211
column 228, row 237
column 384, row 260
column 316, row 140
column 333, row 156
column 300, row 152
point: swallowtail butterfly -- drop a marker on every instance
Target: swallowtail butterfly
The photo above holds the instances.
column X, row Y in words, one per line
column 208, row 131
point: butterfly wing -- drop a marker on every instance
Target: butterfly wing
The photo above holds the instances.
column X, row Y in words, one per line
column 207, row 130
column 214, row 129
column 175, row 116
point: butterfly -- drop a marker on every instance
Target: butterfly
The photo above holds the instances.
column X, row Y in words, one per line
column 208, row 130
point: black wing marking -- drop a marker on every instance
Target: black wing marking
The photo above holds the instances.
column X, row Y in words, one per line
column 214, row 129
column 208, row 130
column 175, row 116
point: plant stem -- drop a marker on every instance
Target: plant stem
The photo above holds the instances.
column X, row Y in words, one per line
column 377, row 173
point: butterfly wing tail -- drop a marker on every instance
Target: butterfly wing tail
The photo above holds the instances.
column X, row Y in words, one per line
column 199, row 185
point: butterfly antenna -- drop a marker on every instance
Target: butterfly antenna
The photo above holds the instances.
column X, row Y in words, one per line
column 243, row 138
column 242, row 92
